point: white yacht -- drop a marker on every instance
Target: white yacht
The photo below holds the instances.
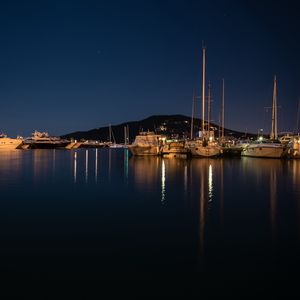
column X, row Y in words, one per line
column 267, row 148
column 42, row 140
column 7, row 143
column 147, row 143
column 264, row 148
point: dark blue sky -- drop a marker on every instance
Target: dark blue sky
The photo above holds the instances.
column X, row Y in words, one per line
column 78, row 65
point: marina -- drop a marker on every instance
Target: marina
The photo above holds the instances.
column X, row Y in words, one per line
column 151, row 147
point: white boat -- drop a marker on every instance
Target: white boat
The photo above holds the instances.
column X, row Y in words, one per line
column 147, row 143
column 264, row 148
column 267, row 148
column 42, row 140
column 7, row 143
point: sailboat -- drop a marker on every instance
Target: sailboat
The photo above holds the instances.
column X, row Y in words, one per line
column 112, row 140
column 205, row 146
column 271, row 148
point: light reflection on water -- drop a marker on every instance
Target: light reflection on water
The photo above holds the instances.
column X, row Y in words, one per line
column 216, row 213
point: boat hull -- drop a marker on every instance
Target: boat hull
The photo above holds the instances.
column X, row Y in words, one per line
column 144, row 150
column 10, row 144
column 47, row 145
column 263, row 151
column 205, row 151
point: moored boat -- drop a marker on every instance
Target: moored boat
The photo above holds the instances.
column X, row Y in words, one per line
column 7, row 143
column 174, row 149
column 147, row 143
column 264, row 148
column 42, row 140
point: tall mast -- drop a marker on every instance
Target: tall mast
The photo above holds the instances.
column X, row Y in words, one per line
column 203, row 88
column 223, row 113
column 298, row 115
column 125, row 136
column 273, row 135
column 109, row 130
column 208, row 108
column 193, row 112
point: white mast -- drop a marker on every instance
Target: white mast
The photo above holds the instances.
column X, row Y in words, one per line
column 208, row 109
column 203, row 88
column 223, row 113
column 274, row 135
column 193, row 112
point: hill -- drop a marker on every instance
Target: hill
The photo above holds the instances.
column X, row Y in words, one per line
column 173, row 126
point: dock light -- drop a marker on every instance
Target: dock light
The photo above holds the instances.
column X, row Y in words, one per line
column 260, row 138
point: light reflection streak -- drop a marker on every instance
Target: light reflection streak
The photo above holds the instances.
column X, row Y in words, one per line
column 163, row 182
column 86, row 164
column 273, row 202
column 126, row 163
column 210, row 184
column 96, row 165
column 185, row 178
column 221, row 194
column 202, row 216
column 75, row 167
column 109, row 163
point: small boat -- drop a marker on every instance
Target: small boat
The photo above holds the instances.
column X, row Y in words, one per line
column 147, row 143
column 42, row 140
column 7, row 143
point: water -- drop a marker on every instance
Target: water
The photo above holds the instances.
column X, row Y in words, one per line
column 173, row 225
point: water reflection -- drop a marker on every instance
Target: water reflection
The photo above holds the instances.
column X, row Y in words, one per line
column 126, row 157
column 163, row 181
column 210, row 183
column 75, row 167
column 96, row 164
column 146, row 172
column 273, row 202
column 86, row 164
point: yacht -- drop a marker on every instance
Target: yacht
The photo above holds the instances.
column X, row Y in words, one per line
column 42, row 140
column 264, row 148
column 147, row 143
column 271, row 148
column 7, row 143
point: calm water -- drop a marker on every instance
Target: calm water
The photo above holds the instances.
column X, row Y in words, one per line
column 186, row 225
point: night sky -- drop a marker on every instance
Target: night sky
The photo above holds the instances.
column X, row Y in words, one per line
column 77, row 65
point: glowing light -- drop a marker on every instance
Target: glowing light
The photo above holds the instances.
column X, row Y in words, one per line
column 260, row 138
column 163, row 181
